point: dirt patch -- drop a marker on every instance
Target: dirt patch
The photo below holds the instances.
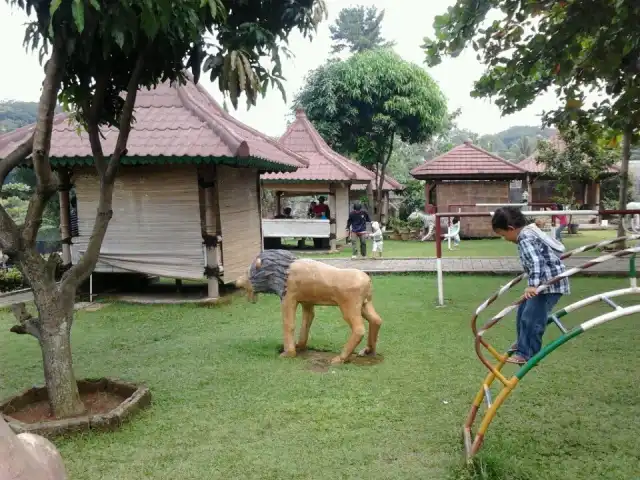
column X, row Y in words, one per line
column 95, row 402
column 320, row 360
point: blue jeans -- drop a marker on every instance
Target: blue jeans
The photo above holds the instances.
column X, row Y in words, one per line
column 559, row 232
column 532, row 320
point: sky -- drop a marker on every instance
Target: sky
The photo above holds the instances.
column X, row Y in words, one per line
column 406, row 22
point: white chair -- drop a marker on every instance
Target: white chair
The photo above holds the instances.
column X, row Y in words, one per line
column 453, row 232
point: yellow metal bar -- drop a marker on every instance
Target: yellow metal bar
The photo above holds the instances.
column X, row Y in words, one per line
column 491, row 413
column 496, row 354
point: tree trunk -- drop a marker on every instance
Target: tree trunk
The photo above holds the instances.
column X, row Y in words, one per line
column 56, row 319
column 380, row 178
column 624, row 179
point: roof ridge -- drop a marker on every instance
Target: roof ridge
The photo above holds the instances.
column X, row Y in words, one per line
column 506, row 162
column 230, row 118
column 420, row 167
column 236, row 144
column 320, row 144
column 434, row 159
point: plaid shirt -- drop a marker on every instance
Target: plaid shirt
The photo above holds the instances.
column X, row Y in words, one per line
column 541, row 263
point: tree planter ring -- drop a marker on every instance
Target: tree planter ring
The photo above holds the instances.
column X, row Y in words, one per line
column 134, row 398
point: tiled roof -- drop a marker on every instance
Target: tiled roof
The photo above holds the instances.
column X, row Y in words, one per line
column 531, row 166
column 467, row 160
column 170, row 121
column 324, row 163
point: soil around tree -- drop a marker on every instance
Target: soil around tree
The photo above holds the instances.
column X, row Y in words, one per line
column 109, row 403
column 94, row 402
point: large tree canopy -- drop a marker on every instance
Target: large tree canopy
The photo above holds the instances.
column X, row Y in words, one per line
column 574, row 46
column 99, row 53
column 358, row 29
column 362, row 104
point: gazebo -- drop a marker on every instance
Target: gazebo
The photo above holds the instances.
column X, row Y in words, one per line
column 328, row 173
column 465, row 176
column 186, row 200
column 541, row 185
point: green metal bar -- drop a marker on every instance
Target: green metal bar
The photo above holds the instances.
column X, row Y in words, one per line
column 546, row 350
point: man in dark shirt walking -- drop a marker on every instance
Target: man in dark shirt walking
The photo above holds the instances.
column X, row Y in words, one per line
column 357, row 223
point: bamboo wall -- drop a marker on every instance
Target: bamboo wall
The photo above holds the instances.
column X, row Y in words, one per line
column 156, row 226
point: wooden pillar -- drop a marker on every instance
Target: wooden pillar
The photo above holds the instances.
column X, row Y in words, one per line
column 370, row 199
column 332, row 217
column 211, row 231
column 596, row 195
column 529, row 181
column 65, row 217
column 385, row 209
column 278, row 203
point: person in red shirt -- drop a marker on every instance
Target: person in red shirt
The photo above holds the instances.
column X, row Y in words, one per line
column 563, row 221
column 321, row 210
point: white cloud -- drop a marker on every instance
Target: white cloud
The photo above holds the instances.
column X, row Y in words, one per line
column 406, row 22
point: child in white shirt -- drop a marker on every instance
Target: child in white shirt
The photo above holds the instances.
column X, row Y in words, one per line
column 376, row 235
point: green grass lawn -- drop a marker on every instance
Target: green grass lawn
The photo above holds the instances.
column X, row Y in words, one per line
column 225, row 406
column 468, row 248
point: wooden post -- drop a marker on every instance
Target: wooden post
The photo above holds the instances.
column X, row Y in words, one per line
column 371, row 200
column 65, row 217
column 385, row 208
column 332, row 218
column 529, row 189
column 211, row 229
column 278, row 203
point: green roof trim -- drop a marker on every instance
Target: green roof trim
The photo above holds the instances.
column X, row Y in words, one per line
column 248, row 162
column 295, row 180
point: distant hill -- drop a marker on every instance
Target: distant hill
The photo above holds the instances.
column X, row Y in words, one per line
column 515, row 143
column 15, row 114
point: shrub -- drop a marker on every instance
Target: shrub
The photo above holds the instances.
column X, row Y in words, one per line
column 11, row 279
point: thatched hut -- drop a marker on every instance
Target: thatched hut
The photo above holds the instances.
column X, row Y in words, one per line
column 186, row 201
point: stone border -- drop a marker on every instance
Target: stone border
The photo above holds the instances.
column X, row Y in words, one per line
column 134, row 398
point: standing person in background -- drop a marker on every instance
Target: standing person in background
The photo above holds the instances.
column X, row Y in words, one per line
column 310, row 213
column 357, row 224
column 321, row 210
column 563, row 221
column 377, row 237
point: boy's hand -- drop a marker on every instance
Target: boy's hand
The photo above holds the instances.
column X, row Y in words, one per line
column 530, row 292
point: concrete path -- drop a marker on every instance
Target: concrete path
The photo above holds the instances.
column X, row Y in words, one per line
column 471, row 265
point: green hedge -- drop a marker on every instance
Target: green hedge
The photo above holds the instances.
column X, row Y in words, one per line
column 11, row 279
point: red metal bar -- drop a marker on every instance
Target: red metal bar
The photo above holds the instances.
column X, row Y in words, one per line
column 559, row 212
column 438, row 237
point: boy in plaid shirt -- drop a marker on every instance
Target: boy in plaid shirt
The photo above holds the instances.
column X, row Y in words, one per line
column 540, row 259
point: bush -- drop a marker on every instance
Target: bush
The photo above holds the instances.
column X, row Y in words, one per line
column 11, row 279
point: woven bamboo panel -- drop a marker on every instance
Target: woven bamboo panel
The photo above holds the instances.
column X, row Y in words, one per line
column 239, row 218
column 156, row 226
column 342, row 211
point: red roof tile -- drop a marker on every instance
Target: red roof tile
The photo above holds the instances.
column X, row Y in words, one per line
column 324, row 163
column 531, row 166
column 466, row 160
column 170, row 121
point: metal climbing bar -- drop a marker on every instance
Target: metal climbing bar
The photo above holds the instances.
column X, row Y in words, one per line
column 554, row 318
column 474, row 443
column 611, row 303
column 479, row 333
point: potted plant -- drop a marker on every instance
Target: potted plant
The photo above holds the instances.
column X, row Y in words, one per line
column 415, row 226
column 395, row 224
